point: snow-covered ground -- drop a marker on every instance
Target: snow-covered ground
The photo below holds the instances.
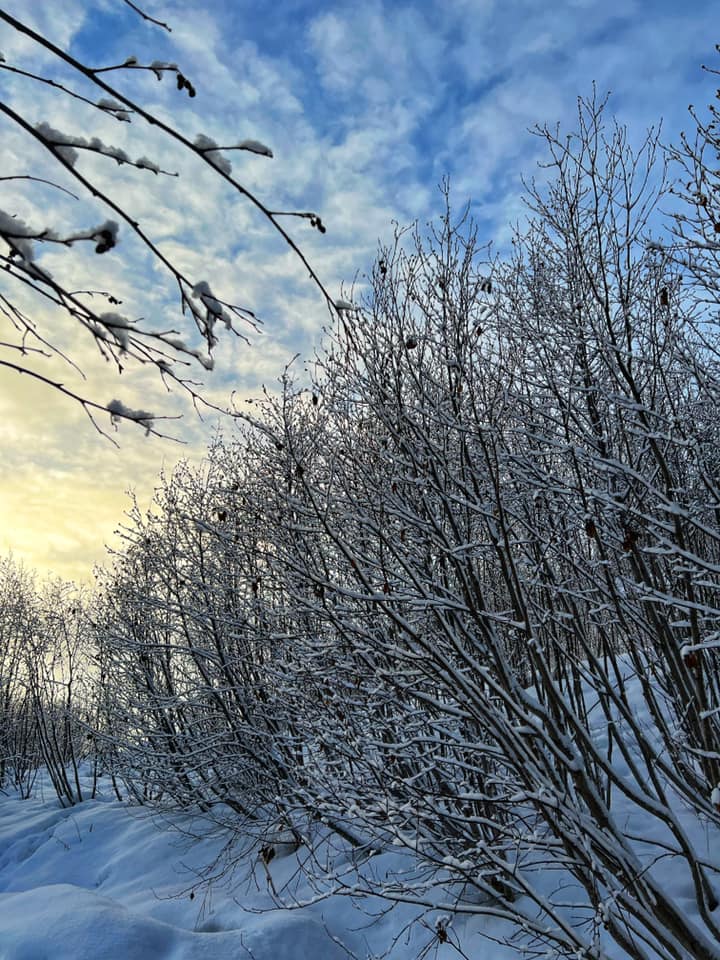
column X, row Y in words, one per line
column 106, row 879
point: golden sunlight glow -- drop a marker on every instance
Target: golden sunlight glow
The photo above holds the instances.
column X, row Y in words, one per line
column 63, row 487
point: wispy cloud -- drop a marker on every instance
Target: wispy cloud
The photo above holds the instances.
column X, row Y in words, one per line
column 366, row 108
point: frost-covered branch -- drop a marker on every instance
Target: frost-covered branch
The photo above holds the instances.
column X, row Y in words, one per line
column 25, row 244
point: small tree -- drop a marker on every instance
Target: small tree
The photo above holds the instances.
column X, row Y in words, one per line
column 19, row 751
column 697, row 220
column 188, row 639
column 502, row 551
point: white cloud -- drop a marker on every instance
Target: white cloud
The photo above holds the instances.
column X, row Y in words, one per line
column 366, row 107
column 43, row 18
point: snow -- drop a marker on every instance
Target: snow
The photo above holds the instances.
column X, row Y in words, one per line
column 146, row 164
column 109, row 878
column 19, row 233
column 64, row 144
column 206, row 360
column 118, row 411
column 255, row 146
column 215, row 310
column 158, row 66
column 110, row 227
column 120, row 327
column 59, row 142
column 116, row 109
column 209, row 148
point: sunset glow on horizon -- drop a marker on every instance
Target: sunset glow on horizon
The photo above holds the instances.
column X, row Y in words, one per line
column 366, row 109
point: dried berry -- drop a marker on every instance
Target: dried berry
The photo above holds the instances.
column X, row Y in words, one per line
column 105, row 241
column 691, row 659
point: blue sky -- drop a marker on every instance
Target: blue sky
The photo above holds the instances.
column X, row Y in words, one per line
column 366, row 107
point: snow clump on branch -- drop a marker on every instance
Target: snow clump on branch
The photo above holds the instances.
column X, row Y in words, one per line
column 209, row 149
column 65, row 144
column 254, row 146
column 118, row 411
column 215, row 310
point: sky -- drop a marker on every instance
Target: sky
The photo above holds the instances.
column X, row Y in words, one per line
column 366, row 107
